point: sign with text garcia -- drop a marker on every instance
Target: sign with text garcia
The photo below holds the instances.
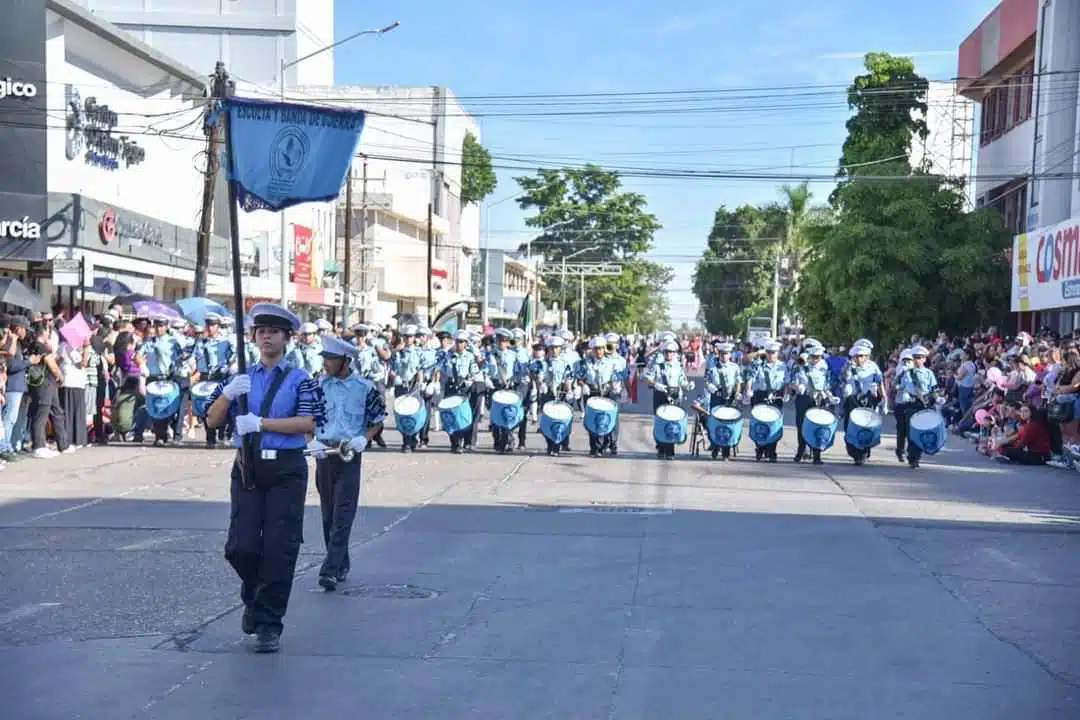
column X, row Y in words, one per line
column 1046, row 268
column 285, row 154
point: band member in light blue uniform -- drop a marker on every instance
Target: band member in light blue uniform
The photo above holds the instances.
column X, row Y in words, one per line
column 165, row 361
column 916, row 388
column 862, row 388
column 723, row 387
column 354, row 413
column 407, row 376
column 767, row 388
column 556, row 380
column 598, row 374
column 812, row 382
column 304, row 352
column 463, row 377
column 668, row 380
column 373, row 355
column 505, row 372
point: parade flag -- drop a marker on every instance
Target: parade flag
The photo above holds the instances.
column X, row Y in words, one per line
column 284, row 154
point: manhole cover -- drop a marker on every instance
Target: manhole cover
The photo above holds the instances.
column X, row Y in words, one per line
column 391, row 592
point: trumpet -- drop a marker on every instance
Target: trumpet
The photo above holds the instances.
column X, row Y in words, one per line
column 343, row 450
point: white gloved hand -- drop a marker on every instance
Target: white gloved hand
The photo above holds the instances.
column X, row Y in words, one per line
column 239, row 385
column 800, row 389
column 247, row 424
column 358, row 444
column 711, row 388
column 429, row 389
column 660, row 387
column 317, row 449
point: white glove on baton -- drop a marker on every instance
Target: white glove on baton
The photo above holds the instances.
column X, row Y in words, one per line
column 317, row 449
column 358, row 444
column 239, row 385
column 247, row 424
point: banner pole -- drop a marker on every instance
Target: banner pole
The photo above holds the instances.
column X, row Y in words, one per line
column 247, row 452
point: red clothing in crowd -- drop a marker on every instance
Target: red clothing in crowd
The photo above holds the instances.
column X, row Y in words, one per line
column 1034, row 436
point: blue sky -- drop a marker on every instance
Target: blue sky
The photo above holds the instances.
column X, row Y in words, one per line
column 479, row 48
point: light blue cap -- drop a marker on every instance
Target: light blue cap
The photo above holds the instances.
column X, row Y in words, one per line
column 333, row 346
column 273, row 315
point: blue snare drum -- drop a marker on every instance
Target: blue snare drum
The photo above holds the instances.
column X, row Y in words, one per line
column 926, row 429
column 507, row 412
column 669, row 425
column 725, row 426
column 864, row 428
column 162, row 399
column 601, row 414
column 556, row 421
column 766, row 425
column 410, row 414
column 200, row 397
column 819, row 428
column 455, row 413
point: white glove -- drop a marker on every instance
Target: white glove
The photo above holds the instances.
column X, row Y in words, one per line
column 660, row 387
column 585, row 391
column 239, row 385
column 711, row 388
column 358, row 444
column 247, row 424
column 317, row 449
column 941, row 401
column 429, row 390
column 800, row 389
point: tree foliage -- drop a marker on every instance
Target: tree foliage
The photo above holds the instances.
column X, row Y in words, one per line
column 585, row 213
column 899, row 255
column 477, row 175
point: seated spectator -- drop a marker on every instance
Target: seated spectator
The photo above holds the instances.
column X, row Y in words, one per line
column 1028, row 443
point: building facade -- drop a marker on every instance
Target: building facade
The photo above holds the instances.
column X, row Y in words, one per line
column 107, row 161
column 1020, row 65
column 252, row 37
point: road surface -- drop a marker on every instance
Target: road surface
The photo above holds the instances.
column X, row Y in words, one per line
column 523, row 586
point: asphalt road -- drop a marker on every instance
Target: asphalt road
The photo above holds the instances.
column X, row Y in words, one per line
column 524, row 586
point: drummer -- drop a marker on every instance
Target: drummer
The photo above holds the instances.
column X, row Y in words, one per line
column 667, row 380
column 505, row 372
column 767, row 388
column 164, row 360
column 430, row 370
column 405, row 374
column 598, row 375
column 862, row 388
column 462, row 373
column 355, row 411
column 557, row 375
column 266, row 526
column 915, row 387
column 213, row 356
column 723, row 385
column 812, row 381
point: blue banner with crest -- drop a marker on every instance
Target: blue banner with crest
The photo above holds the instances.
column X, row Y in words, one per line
column 284, row 154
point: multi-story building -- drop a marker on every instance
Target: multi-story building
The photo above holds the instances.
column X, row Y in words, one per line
column 252, row 37
column 946, row 151
column 99, row 170
column 1020, row 65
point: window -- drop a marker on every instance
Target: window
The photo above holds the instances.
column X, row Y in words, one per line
column 1007, row 103
column 1010, row 200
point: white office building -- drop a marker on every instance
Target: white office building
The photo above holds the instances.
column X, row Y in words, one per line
column 252, row 37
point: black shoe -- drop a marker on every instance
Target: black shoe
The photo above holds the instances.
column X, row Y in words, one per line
column 900, row 456
column 247, row 622
column 860, row 460
column 328, row 583
column 798, row 458
column 267, row 641
column 342, row 577
column 913, row 464
column 613, row 450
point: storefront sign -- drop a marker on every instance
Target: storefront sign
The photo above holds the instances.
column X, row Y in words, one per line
column 1046, row 268
column 67, row 272
column 20, row 229
column 90, row 127
column 15, row 88
column 302, row 255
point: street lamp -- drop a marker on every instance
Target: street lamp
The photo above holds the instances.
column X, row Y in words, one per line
column 536, row 263
column 281, row 92
column 562, row 283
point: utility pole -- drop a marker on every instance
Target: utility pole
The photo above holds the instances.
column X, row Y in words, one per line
column 348, row 247
column 219, row 89
column 363, row 238
column 430, row 259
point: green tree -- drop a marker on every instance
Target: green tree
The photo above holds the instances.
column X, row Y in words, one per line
column 899, row 255
column 477, row 176
column 733, row 278
column 584, row 212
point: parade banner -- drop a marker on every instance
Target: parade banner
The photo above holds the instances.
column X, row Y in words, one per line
column 1046, row 268
column 285, row 154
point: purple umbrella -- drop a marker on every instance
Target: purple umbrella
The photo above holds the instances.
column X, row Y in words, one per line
column 150, row 308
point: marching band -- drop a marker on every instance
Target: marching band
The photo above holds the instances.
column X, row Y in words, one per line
column 460, row 382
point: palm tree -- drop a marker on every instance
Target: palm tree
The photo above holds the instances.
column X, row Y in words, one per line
column 796, row 200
